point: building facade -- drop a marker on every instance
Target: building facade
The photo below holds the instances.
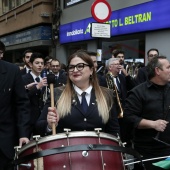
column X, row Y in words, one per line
column 136, row 26
column 60, row 27
column 26, row 24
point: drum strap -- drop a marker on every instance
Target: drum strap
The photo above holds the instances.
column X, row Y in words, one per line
column 76, row 148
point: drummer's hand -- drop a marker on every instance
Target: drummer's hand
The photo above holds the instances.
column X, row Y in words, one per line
column 52, row 116
column 160, row 125
column 23, row 141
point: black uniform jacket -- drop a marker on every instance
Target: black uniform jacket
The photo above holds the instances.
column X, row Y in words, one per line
column 14, row 108
column 36, row 98
column 77, row 120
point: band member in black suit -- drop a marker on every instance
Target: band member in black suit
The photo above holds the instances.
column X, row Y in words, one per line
column 35, row 86
column 142, row 72
column 122, row 83
column 82, row 104
column 26, row 59
column 60, row 77
column 14, row 112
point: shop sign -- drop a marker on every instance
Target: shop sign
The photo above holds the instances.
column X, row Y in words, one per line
column 149, row 16
column 38, row 33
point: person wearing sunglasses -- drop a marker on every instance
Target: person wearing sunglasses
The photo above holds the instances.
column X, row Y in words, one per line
column 81, row 104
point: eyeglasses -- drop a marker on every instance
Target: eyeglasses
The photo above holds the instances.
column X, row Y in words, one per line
column 79, row 67
column 153, row 55
column 116, row 64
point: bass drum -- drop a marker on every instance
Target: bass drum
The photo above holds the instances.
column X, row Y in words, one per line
column 78, row 160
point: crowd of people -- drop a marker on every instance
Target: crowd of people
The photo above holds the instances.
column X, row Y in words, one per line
column 136, row 109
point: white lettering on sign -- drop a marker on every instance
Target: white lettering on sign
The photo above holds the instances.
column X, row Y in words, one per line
column 75, row 32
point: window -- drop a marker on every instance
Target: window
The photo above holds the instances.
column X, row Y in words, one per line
column 8, row 5
column 68, row 3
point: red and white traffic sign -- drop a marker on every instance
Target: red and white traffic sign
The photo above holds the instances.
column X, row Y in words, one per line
column 101, row 10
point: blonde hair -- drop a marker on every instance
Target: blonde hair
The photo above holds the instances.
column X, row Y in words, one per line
column 103, row 96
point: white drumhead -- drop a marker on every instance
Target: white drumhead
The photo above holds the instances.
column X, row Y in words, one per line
column 74, row 134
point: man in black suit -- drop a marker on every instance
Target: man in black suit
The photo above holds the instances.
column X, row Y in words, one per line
column 14, row 112
column 122, row 83
column 26, row 59
column 36, row 86
column 142, row 72
column 60, row 77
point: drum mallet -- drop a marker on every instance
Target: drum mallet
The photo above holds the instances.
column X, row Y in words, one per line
column 51, row 82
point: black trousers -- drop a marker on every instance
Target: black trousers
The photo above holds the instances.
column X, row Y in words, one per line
column 5, row 163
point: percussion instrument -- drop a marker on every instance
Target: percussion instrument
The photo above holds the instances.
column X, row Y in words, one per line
column 71, row 151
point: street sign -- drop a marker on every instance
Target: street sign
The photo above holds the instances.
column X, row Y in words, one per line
column 101, row 10
column 100, row 30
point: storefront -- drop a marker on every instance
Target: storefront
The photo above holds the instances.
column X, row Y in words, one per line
column 38, row 39
column 131, row 30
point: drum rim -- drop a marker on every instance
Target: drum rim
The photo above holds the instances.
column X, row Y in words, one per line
column 71, row 135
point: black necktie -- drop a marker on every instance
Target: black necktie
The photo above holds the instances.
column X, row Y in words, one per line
column 56, row 77
column 84, row 102
column 118, row 84
column 37, row 79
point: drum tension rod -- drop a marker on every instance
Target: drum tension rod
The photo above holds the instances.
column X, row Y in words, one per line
column 36, row 137
column 17, row 149
column 67, row 131
column 98, row 130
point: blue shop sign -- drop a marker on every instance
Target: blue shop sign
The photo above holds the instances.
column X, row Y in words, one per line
column 38, row 33
column 148, row 16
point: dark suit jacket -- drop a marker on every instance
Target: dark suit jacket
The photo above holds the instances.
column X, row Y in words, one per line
column 102, row 80
column 14, row 108
column 78, row 120
column 23, row 71
column 61, row 80
column 141, row 76
column 127, row 83
column 35, row 96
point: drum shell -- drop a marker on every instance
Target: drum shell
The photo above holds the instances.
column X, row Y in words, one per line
column 96, row 160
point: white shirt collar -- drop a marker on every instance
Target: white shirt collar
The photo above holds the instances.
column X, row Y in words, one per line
column 56, row 74
column 27, row 69
column 34, row 76
column 79, row 91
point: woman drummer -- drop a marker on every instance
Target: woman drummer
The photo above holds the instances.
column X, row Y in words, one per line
column 75, row 112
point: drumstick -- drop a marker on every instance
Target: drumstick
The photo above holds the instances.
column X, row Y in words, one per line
column 51, row 81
